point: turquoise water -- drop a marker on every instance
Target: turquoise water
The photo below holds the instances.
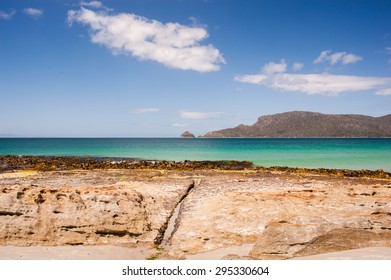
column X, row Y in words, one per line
column 312, row 153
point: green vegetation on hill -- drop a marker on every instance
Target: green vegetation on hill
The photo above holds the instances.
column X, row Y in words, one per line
column 300, row 124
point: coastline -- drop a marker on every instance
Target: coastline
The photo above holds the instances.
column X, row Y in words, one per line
column 53, row 163
column 310, row 153
column 278, row 213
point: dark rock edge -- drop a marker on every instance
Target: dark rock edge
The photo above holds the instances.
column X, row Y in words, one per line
column 57, row 163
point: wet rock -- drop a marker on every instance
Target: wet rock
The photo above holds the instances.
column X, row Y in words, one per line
column 54, row 163
column 51, row 163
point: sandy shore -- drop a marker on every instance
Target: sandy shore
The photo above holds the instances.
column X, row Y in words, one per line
column 242, row 250
column 75, row 253
column 371, row 253
column 142, row 253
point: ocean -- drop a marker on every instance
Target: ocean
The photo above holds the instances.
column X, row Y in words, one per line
column 341, row 153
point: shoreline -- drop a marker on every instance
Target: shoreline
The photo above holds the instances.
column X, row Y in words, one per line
column 58, row 163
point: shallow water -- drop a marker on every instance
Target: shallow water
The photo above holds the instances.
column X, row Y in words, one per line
column 356, row 153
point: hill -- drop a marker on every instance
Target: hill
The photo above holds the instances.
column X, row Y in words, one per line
column 299, row 124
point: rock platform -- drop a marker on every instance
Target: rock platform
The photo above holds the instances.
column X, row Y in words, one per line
column 282, row 213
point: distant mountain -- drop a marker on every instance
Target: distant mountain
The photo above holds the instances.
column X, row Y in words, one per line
column 299, row 124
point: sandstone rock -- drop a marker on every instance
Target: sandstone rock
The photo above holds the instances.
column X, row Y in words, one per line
column 282, row 244
column 121, row 213
column 285, row 215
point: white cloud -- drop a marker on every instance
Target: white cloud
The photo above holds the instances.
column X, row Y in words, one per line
column 338, row 57
column 297, row 66
column 273, row 67
column 171, row 44
column 94, row 4
column 180, row 124
column 7, row 16
column 35, row 13
column 384, row 91
column 325, row 84
column 199, row 115
column 322, row 56
column 146, row 110
column 350, row 58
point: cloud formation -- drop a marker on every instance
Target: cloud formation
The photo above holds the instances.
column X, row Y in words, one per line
column 171, row 44
column 272, row 67
column 338, row 57
column 7, row 16
column 325, row 84
column 180, row 124
column 33, row 12
column 297, row 66
column 94, row 4
column 385, row 91
column 199, row 115
column 146, row 110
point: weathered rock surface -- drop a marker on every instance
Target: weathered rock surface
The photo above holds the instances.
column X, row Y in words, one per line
column 285, row 216
column 86, row 207
column 344, row 214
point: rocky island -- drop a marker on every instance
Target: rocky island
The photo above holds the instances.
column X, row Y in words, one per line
column 187, row 134
column 189, row 210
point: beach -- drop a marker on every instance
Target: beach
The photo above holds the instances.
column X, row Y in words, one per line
column 192, row 210
column 121, row 253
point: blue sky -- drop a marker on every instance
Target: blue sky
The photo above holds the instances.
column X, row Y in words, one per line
column 149, row 68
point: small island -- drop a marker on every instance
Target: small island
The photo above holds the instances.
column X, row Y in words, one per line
column 187, row 134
